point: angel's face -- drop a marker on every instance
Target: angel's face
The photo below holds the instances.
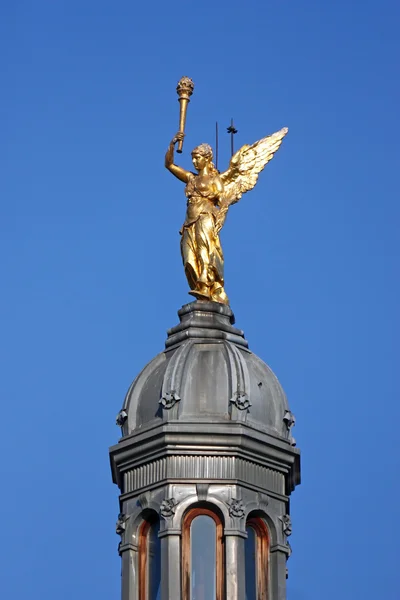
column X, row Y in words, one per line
column 199, row 161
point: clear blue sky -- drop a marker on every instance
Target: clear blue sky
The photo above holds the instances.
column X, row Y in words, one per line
column 92, row 278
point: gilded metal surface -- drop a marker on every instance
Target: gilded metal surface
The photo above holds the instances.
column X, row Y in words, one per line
column 184, row 89
column 209, row 195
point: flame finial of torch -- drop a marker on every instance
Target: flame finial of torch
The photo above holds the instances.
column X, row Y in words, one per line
column 184, row 89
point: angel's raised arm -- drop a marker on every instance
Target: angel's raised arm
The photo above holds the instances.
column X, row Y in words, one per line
column 179, row 172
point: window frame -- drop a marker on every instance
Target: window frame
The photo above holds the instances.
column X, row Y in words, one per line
column 143, row 550
column 186, row 551
column 262, row 556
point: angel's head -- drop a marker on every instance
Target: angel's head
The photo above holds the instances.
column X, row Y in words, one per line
column 202, row 156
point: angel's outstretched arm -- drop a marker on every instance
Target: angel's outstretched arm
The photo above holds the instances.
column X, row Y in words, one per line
column 180, row 173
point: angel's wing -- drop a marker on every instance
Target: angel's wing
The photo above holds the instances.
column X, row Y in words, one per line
column 244, row 169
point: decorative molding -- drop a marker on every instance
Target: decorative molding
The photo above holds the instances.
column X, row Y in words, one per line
column 169, row 399
column 287, row 531
column 241, row 400
column 121, row 417
column 167, row 507
column 144, row 500
column 121, row 524
column 124, row 546
column 218, row 468
column 286, row 525
column 262, row 499
column 202, row 491
column 236, row 508
column 289, row 420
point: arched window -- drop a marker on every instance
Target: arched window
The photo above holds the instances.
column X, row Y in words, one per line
column 256, row 559
column 202, row 556
column 150, row 560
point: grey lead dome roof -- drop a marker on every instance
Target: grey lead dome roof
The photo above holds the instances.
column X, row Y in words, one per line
column 207, row 374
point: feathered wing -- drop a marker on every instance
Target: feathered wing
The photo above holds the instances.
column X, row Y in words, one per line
column 244, row 168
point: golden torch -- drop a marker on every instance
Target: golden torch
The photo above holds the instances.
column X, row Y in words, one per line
column 184, row 89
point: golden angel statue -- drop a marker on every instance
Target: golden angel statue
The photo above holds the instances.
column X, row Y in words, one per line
column 209, row 195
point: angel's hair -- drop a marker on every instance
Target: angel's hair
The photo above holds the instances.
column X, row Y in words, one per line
column 206, row 151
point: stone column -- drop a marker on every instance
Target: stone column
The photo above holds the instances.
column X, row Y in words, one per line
column 129, row 572
column 235, row 570
column 278, row 557
column 170, row 564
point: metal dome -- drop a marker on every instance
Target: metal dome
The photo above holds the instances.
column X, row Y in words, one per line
column 207, row 374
